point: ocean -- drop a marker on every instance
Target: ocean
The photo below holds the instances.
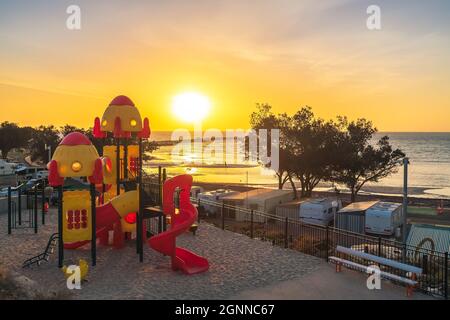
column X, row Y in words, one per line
column 428, row 174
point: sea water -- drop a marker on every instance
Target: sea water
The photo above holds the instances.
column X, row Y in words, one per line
column 428, row 174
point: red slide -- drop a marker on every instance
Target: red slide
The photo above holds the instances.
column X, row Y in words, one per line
column 181, row 220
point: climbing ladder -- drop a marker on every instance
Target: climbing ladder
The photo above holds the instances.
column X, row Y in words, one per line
column 51, row 245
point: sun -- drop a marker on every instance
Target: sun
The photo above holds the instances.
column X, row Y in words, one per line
column 191, row 106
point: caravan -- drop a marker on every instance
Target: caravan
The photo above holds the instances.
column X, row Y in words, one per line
column 319, row 211
column 208, row 200
column 314, row 211
column 383, row 218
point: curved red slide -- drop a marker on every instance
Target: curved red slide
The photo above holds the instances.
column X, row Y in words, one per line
column 181, row 220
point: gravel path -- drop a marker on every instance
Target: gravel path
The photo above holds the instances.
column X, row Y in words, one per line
column 237, row 263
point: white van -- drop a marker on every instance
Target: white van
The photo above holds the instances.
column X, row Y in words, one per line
column 27, row 173
column 383, row 218
column 319, row 211
column 6, row 168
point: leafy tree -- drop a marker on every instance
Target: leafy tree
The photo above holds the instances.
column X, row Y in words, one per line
column 263, row 118
column 65, row 130
column 313, row 143
column 358, row 161
column 43, row 135
column 12, row 136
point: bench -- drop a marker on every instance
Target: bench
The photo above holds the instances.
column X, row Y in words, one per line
column 412, row 271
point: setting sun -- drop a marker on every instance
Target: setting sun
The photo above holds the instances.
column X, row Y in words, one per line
column 191, row 106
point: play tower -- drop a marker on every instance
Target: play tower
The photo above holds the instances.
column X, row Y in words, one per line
column 123, row 122
column 115, row 199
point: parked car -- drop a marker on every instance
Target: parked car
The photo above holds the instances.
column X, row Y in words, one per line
column 3, row 192
column 27, row 173
column 30, row 184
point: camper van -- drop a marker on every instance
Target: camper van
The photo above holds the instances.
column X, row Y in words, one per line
column 383, row 218
column 213, row 196
column 319, row 211
column 195, row 191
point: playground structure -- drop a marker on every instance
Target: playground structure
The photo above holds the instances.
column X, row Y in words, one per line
column 116, row 201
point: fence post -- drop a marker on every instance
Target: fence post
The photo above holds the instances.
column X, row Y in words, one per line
column 446, row 276
column 60, row 227
column 425, row 264
column 222, row 212
column 286, row 243
column 35, row 209
column 159, row 185
column 198, row 211
column 19, row 205
column 251, row 224
column 379, row 246
column 9, row 209
column 326, row 244
column 43, row 203
column 404, row 253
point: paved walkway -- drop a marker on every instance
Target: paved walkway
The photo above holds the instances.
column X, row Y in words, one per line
column 325, row 284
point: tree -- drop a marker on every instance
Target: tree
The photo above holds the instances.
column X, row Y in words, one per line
column 358, row 161
column 313, row 143
column 43, row 135
column 263, row 118
column 12, row 136
column 64, row 131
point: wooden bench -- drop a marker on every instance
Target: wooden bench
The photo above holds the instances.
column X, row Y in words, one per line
column 412, row 271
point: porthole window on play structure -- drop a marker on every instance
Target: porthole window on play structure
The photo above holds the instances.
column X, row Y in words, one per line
column 104, row 123
column 133, row 123
column 76, row 166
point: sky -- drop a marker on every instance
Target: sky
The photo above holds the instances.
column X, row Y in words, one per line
column 288, row 53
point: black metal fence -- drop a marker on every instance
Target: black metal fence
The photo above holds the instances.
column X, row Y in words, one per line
column 317, row 240
column 25, row 215
column 321, row 241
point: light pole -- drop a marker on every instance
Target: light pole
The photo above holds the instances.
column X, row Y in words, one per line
column 49, row 148
column 405, row 197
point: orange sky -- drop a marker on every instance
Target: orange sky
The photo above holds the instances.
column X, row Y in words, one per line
column 285, row 53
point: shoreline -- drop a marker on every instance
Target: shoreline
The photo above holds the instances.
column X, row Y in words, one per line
column 413, row 198
column 420, row 210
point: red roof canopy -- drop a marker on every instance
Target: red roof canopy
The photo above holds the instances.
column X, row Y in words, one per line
column 122, row 101
column 75, row 139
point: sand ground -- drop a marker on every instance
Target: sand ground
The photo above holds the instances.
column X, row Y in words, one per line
column 240, row 268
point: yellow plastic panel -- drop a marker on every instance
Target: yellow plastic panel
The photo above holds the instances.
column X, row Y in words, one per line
column 75, row 161
column 77, row 224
